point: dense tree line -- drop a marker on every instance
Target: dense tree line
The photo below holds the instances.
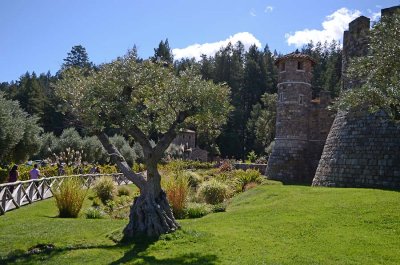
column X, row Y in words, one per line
column 250, row 74
column 327, row 71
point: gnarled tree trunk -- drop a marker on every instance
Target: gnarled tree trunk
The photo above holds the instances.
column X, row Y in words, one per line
column 150, row 214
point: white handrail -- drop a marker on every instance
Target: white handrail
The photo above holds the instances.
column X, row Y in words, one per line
column 16, row 194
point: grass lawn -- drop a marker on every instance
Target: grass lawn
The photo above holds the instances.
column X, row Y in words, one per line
column 271, row 224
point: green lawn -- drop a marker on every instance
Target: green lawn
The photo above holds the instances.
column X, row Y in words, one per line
column 271, row 224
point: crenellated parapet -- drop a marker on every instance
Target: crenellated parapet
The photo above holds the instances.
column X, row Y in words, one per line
column 355, row 44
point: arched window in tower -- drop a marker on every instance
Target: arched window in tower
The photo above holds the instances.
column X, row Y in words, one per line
column 300, row 66
column 301, row 99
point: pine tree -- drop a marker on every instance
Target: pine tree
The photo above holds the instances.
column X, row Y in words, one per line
column 229, row 69
column 271, row 71
column 207, row 67
column 261, row 124
column 77, row 57
column 163, row 53
column 328, row 67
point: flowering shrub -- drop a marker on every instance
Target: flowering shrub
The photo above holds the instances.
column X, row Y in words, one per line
column 213, row 191
column 225, row 166
column 105, row 189
column 94, row 213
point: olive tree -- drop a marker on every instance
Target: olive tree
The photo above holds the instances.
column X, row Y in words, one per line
column 19, row 132
column 379, row 71
column 139, row 100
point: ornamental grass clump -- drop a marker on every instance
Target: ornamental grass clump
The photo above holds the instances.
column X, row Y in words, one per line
column 124, row 191
column 213, row 191
column 244, row 178
column 177, row 190
column 94, row 213
column 105, row 189
column 220, row 207
column 194, row 179
column 197, row 210
column 69, row 197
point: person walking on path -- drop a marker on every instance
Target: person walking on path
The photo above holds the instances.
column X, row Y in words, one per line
column 13, row 176
column 94, row 170
column 60, row 169
column 35, row 172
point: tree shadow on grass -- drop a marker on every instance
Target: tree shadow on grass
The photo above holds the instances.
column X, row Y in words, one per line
column 136, row 251
column 139, row 252
column 190, row 258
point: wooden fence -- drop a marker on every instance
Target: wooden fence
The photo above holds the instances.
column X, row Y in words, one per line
column 16, row 194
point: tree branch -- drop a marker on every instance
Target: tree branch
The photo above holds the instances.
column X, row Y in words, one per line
column 169, row 136
column 142, row 140
column 122, row 165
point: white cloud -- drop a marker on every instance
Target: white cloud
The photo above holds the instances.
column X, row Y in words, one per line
column 333, row 27
column 375, row 16
column 269, row 9
column 253, row 12
column 209, row 49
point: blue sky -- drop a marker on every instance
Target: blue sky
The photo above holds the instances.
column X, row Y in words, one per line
column 37, row 35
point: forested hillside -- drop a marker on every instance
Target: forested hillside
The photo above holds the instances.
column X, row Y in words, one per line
column 250, row 74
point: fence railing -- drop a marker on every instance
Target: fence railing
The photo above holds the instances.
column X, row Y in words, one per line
column 16, row 194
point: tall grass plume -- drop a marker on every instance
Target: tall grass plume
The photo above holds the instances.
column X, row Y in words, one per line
column 69, row 197
column 177, row 190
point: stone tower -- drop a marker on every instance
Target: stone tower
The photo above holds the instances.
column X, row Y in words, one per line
column 362, row 149
column 355, row 44
column 287, row 162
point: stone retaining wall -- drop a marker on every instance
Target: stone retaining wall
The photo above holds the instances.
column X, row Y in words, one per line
column 362, row 150
column 260, row 167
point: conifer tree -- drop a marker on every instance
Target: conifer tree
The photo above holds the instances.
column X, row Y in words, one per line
column 163, row 53
column 77, row 57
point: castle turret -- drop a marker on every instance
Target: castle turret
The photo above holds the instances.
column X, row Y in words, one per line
column 362, row 149
column 355, row 44
column 288, row 159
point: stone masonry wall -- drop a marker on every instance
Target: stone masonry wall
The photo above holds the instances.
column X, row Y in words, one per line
column 287, row 162
column 260, row 167
column 320, row 121
column 292, row 118
column 355, row 44
column 185, row 138
column 361, row 151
